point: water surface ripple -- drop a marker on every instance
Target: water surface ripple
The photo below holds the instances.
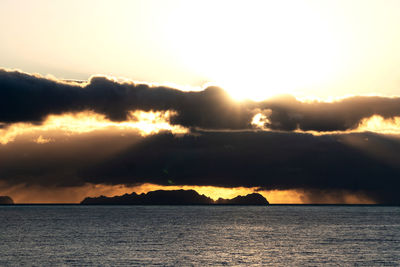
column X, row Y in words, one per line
column 74, row 235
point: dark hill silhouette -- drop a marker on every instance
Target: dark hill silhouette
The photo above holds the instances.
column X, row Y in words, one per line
column 6, row 200
column 173, row 197
column 253, row 199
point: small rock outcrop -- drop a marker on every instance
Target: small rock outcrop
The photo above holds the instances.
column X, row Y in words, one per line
column 5, row 200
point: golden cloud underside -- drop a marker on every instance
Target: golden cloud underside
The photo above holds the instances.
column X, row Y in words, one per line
column 144, row 123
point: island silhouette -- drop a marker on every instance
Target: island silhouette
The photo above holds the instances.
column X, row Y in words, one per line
column 6, row 200
column 174, row 197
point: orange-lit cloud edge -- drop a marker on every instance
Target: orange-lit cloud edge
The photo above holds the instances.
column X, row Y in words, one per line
column 148, row 123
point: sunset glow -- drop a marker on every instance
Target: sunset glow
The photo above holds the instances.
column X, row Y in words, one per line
column 23, row 194
column 144, row 123
column 254, row 49
column 379, row 124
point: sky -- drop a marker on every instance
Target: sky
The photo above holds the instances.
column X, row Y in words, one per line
column 297, row 100
column 306, row 48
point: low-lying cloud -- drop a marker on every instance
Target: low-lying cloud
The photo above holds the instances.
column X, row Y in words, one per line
column 351, row 162
column 27, row 98
column 289, row 114
column 362, row 163
column 31, row 98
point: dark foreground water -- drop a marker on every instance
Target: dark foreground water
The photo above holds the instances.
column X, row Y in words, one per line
column 199, row 235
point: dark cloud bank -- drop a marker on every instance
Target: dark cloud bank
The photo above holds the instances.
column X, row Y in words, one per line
column 362, row 163
column 27, row 98
column 359, row 162
column 269, row 160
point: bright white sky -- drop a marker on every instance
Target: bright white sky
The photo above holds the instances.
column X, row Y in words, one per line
column 253, row 49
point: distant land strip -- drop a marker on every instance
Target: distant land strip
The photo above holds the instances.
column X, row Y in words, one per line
column 174, row 197
column 6, row 200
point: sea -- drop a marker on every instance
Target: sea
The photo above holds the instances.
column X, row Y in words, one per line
column 274, row 235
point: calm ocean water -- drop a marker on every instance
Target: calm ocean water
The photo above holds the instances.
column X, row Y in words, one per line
column 199, row 235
